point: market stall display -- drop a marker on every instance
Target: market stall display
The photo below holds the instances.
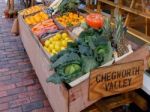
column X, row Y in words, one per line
column 65, row 58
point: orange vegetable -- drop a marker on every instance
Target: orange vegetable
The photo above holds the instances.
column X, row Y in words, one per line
column 95, row 20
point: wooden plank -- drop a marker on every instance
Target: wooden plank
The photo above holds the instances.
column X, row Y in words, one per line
column 57, row 94
column 140, row 101
column 128, row 16
column 116, row 79
column 109, row 3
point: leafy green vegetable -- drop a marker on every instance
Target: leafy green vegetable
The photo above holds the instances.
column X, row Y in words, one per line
column 68, row 5
column 103, row 53
column 55, row 78
column 65, row 58
column 72, row 68
column 89, row 63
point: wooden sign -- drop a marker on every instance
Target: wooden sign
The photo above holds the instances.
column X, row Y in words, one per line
column 121, row 78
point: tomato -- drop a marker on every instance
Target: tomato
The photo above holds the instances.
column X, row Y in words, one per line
column 95, row 20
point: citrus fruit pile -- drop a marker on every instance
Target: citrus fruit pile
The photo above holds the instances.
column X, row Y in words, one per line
column 37, row 18
column 70, row 19
column 57, row 43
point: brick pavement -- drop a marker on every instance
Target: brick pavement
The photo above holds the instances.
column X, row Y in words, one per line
column 20, row 90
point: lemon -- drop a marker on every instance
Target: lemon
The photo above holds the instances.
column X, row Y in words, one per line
column 50, row 39
column 51, row 46
column 58, row 35
column 46, row 43
column 57, row 48
column 64, row 43
column 66, row 39
column 64, row 35
column 69, row 40
column 54, row 52
column 55, row 38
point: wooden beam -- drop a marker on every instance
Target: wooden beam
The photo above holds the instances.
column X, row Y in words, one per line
column 139, row 35
column 128, row 16
column 102, row 107
column 139, row 101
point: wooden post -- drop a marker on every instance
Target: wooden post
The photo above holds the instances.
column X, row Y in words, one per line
column 12, row 5
column 32, row 2
column 129, row 15
column 99, row 6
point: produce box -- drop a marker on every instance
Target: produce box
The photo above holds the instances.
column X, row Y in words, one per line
column 70, row 19
column 46, row 28
column 55, row 41
column 72, row 99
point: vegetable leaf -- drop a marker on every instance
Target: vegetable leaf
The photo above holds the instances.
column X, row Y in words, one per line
column 65, row 58
column 89, row 63
column 55, row 78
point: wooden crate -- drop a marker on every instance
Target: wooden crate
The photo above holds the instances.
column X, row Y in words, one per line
column 62, row 99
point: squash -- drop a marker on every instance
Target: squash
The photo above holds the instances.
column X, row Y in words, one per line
column 95, row 20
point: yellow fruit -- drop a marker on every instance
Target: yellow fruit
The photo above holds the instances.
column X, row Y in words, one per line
column 54, row 52
column 70, row 40
column 55, row 38
column 64, row 43
column 51, row 46
column 57, row 48
column 64, row 35
column 58, row 35
column 66, row 39
column 47, row 42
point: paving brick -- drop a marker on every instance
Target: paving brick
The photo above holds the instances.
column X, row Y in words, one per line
column 19, row 102
column 7, row 77
column 46, row 109
column 4, row 106
column 18, row 109
column 7, row 87
column 8, row 98
column 30, row 93
column 3, row 70
column 31, row 106
column 25, row 83
column 3, row 93
column 34, row 87
column 37, row 98
column 16, row 90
